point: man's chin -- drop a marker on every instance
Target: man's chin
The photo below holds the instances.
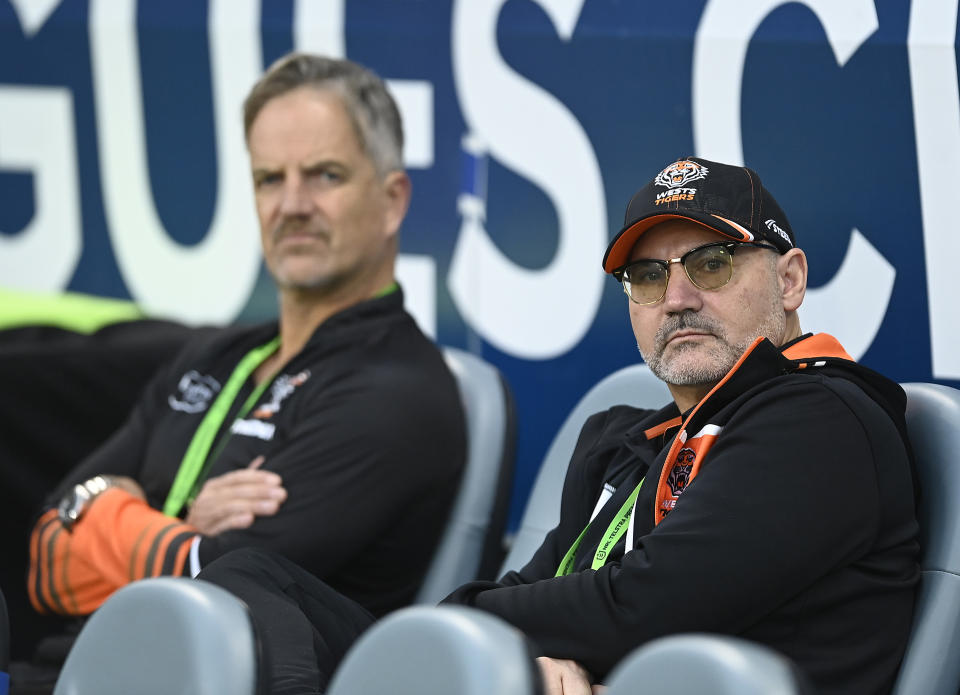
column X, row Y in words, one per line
column 690, row 377
column 295, row 275
column 693, row 365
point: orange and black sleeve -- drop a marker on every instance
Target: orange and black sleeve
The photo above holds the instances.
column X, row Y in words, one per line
column 120, row 539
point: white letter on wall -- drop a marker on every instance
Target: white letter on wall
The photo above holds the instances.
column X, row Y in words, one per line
column 535, row 314
column 318, row 27
column 37, row 136
column 209, row 282
column 936, row 119
column 720, row 50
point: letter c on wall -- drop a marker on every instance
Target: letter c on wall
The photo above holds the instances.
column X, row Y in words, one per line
column 840, row 307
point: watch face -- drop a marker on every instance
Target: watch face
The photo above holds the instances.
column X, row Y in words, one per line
column 72, row 505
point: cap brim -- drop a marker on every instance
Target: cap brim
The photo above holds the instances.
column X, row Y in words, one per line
column 618, row 252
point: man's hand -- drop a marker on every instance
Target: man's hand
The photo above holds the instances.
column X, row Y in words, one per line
column 566, row 677
column 233, row 500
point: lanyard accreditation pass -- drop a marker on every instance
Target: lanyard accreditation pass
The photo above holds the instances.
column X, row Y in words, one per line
column 195, row 459
column 615, row 530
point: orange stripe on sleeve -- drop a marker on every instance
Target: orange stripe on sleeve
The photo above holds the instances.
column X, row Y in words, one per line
column 153, row 560
column 133, row 572
column 35, row 575
column 63, row 585
column 180, row 560
column 73, row 572
column 55, row 543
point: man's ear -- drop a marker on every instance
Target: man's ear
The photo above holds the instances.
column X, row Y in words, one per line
column 792, row 272
column 397, row 189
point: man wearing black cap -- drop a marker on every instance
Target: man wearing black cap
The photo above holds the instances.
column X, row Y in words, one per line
column 773, row 499
column 688, row 346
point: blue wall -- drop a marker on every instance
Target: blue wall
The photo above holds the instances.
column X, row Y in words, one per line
column 530, row 124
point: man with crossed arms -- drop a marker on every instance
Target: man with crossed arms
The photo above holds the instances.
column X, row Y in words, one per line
column 334, row 436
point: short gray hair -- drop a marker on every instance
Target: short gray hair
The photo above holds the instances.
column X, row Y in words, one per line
column 370, row 106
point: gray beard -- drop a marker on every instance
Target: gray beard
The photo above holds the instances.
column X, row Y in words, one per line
column 722, row 353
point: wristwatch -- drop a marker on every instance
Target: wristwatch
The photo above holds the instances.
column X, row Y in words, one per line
column 78, row 499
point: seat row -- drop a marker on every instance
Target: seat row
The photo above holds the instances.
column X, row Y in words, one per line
column 179, row 635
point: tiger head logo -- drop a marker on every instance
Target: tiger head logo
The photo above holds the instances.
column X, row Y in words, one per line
column 680, row 473
column 679, row 173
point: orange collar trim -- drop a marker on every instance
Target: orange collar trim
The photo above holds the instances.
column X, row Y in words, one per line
column 657, row 430
column 818, row 345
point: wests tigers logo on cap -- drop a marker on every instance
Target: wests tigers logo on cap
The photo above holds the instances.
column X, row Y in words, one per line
column 680, row 173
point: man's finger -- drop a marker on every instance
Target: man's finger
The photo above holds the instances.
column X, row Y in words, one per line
column 244, row 476
column 232, row 523
column 550, row 677
column 266, row 507
column 563, row 677
column 257, row 462
column 244, row 491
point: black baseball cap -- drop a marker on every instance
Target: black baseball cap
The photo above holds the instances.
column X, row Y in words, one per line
column 727, row 199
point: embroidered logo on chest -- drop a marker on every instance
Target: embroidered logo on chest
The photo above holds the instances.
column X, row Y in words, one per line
column 680, row 473
column 280, row 390
column 194, row 392
column 680, row 469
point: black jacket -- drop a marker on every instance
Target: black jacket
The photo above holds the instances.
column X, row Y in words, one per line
column 798, row 532
column 364, row 425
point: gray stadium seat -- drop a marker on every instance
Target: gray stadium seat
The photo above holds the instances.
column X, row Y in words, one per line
column 634, row 385
column 694, row 664
column 442, row 650
column 162, row 636
column 472, row 543
column 932, row 663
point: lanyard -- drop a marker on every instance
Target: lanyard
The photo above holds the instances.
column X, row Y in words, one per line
column 195, row 459
column 615, row 530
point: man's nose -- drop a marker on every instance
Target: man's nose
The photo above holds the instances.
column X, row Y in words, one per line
column 295, row 200
column 681, row 294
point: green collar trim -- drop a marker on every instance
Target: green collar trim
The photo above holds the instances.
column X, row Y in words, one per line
column 389, row 289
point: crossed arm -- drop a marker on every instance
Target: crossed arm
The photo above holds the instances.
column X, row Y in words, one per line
column 121, row 538
column 233, row 500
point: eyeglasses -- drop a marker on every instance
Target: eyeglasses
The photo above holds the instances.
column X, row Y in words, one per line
column 709, row 267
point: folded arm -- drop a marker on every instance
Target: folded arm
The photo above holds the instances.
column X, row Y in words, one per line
column 118, row 540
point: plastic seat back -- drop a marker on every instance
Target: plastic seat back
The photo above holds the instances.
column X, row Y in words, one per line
column 634, row 385
column 693, row 664
column 445, row 650
column 472, row 542
column 161, row 636
column 931, row 664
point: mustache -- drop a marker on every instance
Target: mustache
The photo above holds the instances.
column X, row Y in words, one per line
column 293, row 226
column 685, row 320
